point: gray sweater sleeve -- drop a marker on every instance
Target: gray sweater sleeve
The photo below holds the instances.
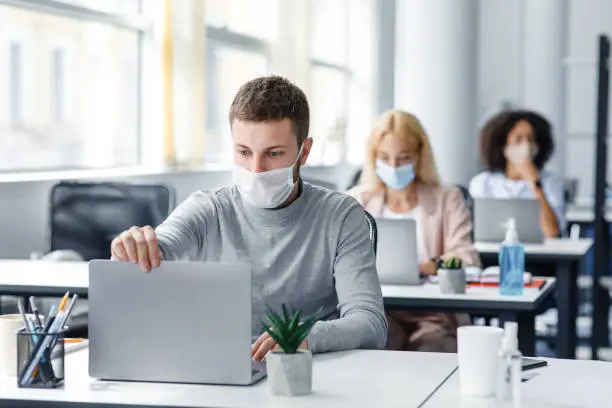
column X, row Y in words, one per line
column 362, row 322
column 183, row 234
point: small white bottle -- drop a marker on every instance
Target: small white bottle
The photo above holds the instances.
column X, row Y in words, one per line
column 509, row 367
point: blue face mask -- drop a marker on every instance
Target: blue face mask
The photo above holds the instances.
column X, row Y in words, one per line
column 396, row 178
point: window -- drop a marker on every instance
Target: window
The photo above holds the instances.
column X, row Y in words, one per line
column 238, row 49
column 58, row 86
column 254, row 18
column 228, row 68
column 327, row 47
column 80, row 110
column 15, row 84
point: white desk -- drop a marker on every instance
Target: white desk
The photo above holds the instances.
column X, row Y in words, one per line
column 562, row 384
column 348, row 379
column 428, row 296
column 39, row 278
column 568, row 257
column 486, row 300
column 551, row 248
column 579, row 214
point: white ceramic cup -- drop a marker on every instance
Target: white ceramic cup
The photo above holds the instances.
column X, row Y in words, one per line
column 9, row 324
column 478, row 348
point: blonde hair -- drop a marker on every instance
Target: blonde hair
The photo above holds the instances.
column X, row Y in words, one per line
column 408, row 127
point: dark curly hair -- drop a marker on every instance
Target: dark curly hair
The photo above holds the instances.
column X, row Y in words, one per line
column 494, row 136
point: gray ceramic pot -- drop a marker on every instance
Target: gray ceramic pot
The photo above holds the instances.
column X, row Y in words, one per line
column 451, row 281
column 289, row 374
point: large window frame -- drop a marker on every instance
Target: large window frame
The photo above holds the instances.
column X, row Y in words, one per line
column 136, row 24
column 219, row 38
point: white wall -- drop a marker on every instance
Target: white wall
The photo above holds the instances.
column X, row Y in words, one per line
column 587, row 19
column 499, row 68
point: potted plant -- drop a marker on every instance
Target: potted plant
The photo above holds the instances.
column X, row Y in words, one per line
column 290, row 368
column 451, row 276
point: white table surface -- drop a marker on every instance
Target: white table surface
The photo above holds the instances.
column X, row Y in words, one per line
column 348, row 379
column 562, row 384
column 19, row 274
column 562, row 247
column 429, row 293
column 584, row 214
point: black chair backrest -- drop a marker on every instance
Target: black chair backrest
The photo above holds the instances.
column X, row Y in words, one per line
column 373, row 230
column 355, row 180
column 469, row 204
column 85, row 217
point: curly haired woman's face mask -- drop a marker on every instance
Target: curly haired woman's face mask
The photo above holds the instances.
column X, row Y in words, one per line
column 518, row 153
column 521, row 144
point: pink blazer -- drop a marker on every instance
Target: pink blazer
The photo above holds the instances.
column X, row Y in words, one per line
column 445, row 220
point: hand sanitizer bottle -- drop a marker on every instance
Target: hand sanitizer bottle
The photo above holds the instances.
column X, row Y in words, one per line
column 509, row 367
column 511, row 262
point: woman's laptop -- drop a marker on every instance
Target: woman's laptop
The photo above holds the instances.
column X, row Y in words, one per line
column 396, row 254
column 490, row 215
column 184, row 322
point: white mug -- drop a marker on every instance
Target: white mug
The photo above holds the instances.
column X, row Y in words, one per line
column 9, row 324
column 478, row 348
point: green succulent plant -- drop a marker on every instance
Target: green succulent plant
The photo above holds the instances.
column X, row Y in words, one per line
column 452, row 263
column 287, row 329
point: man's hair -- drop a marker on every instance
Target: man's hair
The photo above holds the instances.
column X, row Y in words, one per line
column 271, row 99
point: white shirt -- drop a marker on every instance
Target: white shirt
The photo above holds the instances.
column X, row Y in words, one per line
column 496, row 185
column 414, row 214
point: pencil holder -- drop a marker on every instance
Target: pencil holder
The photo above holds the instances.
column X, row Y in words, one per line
column 40, row 359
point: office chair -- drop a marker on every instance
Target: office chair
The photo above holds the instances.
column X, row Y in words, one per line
column 355, row 180
column 469, row 204
column 373, row 230
column 86, row 216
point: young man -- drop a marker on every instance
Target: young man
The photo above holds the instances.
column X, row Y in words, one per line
column 308, row 247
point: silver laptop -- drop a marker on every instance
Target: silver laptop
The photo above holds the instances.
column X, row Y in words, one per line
column 396, row 254
column 184, row 322
column 490, row 215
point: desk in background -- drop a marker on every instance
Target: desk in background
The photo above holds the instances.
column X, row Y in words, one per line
column 487, row 300
column 568, row 256
column 562, row 384
column 578, row 214
column 358, row 378
column 40, row 278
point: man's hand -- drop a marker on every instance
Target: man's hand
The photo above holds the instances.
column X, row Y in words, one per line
column 137, row 245
column 265, row 344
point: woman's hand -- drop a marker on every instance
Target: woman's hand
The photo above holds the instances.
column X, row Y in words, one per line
column 428, row 268
column 528, row 170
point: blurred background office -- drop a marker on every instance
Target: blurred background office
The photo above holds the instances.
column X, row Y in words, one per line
column 139, row 90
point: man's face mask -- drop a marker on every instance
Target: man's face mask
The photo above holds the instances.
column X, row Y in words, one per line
column 267, row 189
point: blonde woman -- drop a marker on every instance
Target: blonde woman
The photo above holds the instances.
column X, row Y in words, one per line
column 400, row 180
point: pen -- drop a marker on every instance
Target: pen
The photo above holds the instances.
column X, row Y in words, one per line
column 64, row 319
column 62, row 304
column 26, row 323
column 69, row 310
column 36, row 313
